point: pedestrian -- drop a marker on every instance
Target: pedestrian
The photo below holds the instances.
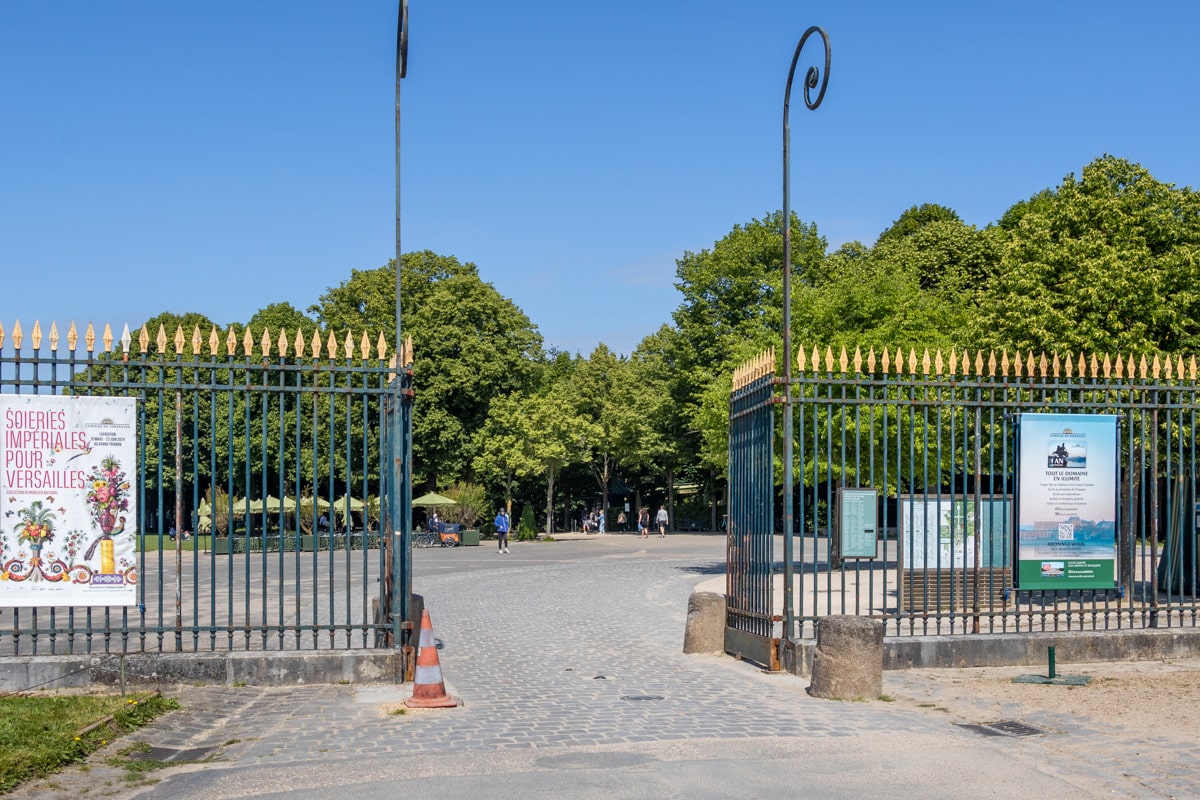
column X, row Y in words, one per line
column 501, row 523
column 601, row 520
column 621, row 520
column 661, row 519
column 644, row 522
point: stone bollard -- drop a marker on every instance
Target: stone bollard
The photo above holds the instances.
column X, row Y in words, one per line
column 705, row 629
column 848, row 661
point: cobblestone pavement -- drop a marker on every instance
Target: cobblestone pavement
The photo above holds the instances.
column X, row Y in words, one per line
column 567, row 658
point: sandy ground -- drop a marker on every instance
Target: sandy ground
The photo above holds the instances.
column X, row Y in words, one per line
column 1140, row 697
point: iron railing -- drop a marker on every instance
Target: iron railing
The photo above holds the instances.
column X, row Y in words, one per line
column 941, row 429
column 244, row 442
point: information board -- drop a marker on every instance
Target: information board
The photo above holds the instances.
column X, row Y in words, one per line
column 1067, row 502
column 857, row 522
column 939, row 532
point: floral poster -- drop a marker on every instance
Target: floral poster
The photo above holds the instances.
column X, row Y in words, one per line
column 68, row 501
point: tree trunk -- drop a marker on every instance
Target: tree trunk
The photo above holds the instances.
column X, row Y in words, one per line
column 671, row 495
column 550, row 501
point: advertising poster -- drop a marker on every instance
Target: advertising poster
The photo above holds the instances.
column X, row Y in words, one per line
column 68, row 494
column 1067, row 512
column 939, row 532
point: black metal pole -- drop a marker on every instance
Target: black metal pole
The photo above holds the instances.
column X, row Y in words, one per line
column 812, row 79
column 400, row 583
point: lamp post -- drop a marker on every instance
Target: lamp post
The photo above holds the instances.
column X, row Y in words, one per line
column 814, row 78
column 400, row 478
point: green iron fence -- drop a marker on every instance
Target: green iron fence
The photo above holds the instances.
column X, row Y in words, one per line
column 942, row 429
column 247, row 442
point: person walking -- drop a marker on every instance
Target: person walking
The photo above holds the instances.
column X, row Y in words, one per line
column 501, row 524
column 644, row 522
column 621, row 520
column 661, row 519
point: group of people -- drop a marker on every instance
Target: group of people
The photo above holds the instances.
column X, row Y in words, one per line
column 595, row 522
column 660, row 521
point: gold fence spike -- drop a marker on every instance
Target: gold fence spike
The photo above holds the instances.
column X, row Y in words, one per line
column 266, row 342
column 1044, row 366
column 800, row 360
column 315, row 344
column 939, row 364
column 991, row 363
column 17, row 335
column 1081, row 367
column 1157, row 366
column 1144, row 367
column 247, row 343
column 952, row 364
column 828, row 358
column 1068, row 367
column 1168, row 369
column 1192, row 367
column 35, row 336
column 197, row 340
column 331, row 346
column 1178, row 367
column 72, row 336
column 144, row 340
column 1094, row 366
column 160, row 340
column 1119, row 367
column 1107, row 366
column 380, row 346
column 1, row 334
column 858, row 359
column 871, row 360
column 392, row 366
column 282, row 344
column 348, row 345
column 298, row 344
column 979, row 362
column 966, row 364
column 408, row 350
column 886, row 362
column 844, row 360
column 1018, row 365
column 1056, row 365
column 214, row 342
column 364, row 346
column 912, row 361
column 925, row 362
column 106, row 338
column 1004, row 363
column 53, row 338
column 180, row 340
column 231, row 341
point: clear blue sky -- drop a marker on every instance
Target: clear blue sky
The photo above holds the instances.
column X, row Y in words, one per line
column 220, row 156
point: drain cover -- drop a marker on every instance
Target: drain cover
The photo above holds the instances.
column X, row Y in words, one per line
column 173, row 755
column 641, row 697
column 1006, row 727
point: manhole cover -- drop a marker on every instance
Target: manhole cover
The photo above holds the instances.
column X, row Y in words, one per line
column 1006, row 727
column 641, row 697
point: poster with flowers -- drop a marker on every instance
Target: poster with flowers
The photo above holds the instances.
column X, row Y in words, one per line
column 68, row 501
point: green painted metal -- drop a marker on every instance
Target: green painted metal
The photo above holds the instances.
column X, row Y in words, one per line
column 307, row 429
column 928, row 434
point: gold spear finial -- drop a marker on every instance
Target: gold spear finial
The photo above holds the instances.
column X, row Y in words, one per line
column 331, row 346
column 36, row 335
column 180, row 340
column 197, row 341
column 214, row 342
column 364, row 346
column 266, row 342
column 871, row 360
column 247, row 343
column 282, row 344
column 298, row 344
column 316, row 344
column 72, row 336
column 53, row 339
column 381, row 347
column 231, row 341
column 160, row 340
column 17, row 335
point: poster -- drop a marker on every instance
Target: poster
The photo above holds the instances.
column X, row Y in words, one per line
column 1067, row 502
column 939, row 532
column 68, row 501
column 856, row 522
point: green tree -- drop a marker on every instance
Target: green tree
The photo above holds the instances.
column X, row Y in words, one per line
column 1107, row 262
column 555, row 436
column 501, row 457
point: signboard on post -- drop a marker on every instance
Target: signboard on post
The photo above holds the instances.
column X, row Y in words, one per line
column 1067, row 502
column 857, row 524
column 939, row 532
column 68, row 501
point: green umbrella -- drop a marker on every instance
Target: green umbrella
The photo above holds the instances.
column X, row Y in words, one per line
column 433, row 500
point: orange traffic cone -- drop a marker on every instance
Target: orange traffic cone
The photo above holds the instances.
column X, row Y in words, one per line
column 428, row 689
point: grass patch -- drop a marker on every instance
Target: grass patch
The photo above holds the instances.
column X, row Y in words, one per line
column 41, row 734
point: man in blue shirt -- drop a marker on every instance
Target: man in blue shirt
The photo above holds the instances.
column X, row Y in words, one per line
column 501, row 523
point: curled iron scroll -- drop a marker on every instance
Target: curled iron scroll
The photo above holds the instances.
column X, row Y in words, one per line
column 813, row 77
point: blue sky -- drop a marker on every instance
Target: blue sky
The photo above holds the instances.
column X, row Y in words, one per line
column 220, row 156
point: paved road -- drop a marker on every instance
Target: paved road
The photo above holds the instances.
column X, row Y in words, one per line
column 567, row 657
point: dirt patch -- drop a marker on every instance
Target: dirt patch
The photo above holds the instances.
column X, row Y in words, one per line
column 1139, row 696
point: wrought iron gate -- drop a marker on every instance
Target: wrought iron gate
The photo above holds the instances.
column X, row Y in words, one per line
column 292, row 449
column 941, row 427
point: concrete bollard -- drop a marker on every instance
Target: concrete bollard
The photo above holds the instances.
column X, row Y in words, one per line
column 848, row 660
column 705, row 629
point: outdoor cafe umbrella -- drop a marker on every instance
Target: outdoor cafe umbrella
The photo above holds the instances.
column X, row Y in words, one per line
column 433, row 500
